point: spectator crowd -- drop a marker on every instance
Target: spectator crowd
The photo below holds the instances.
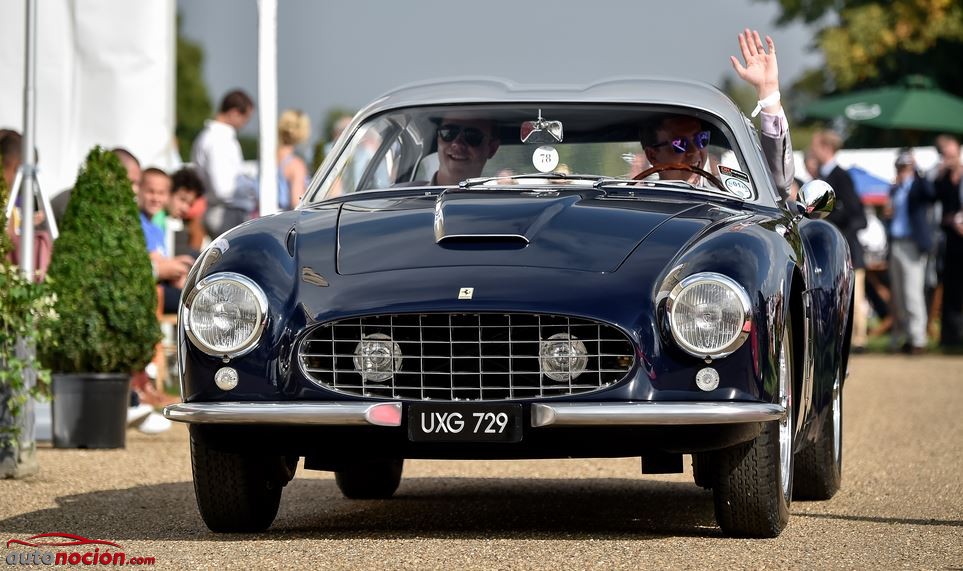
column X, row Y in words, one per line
column 912, row 284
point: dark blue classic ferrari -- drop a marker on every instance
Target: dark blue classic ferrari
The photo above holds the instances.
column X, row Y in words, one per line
column 482, row 270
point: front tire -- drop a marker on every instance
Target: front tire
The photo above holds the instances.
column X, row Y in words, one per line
column 237, row 492
column 819, row 467
column 752, row 489
column 370, row 481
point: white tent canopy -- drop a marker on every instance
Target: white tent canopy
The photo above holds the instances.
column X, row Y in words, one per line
column 104, row 76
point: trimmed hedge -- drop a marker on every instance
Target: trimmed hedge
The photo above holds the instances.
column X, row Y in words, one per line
column 101, row 273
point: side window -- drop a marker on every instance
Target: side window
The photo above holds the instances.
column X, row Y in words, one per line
column 384, row 171
column 346, row 176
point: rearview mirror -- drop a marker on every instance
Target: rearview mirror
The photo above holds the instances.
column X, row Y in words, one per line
column 817, row 198
column 541, row 132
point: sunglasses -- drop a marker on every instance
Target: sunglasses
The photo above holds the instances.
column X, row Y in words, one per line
column 471, row 135
column 681, row 144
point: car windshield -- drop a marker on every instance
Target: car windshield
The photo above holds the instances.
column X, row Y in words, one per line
column 536, row 144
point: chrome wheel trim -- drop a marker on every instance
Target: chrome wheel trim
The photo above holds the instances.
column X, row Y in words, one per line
column 837, row 412
column 785, row 425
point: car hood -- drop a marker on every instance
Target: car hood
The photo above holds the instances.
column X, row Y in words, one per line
column 583, row 231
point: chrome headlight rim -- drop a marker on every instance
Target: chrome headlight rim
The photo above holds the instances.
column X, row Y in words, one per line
column 250, row 342
column 726, row 281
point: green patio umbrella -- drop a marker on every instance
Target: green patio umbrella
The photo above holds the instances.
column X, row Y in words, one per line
column 916, row 104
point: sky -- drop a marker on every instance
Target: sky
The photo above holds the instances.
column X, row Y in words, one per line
column 345, row 54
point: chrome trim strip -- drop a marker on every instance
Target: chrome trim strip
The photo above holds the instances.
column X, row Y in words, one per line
column 653, row 413
column 302, row 413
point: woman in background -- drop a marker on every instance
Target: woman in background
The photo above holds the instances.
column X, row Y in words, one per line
column 294, row 128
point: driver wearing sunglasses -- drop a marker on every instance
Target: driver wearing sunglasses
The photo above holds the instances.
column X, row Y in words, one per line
column 677, row 139
column 464, row 146
column 683, row 139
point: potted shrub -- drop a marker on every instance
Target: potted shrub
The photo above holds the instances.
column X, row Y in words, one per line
column 26, row 318
column 107, row 300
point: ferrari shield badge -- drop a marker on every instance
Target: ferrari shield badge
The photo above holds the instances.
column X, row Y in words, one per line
column 466, row 292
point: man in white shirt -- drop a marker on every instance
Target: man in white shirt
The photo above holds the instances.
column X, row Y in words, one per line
column 217, row 155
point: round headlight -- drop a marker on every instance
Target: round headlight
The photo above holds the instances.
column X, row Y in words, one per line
column 709, row 315
column 563, row 357
column 225, row 314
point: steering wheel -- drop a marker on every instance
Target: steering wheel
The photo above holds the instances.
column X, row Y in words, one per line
column 681, row 167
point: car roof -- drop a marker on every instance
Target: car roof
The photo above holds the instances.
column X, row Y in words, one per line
column 639, row 90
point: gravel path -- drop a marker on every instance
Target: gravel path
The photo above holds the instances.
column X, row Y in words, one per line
column 901, row 505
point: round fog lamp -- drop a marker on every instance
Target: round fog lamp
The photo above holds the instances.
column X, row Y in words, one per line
column 707, row 379
column 563, row 357
column 377, row 357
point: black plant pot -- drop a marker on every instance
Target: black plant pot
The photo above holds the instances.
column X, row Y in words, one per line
column 90, row 410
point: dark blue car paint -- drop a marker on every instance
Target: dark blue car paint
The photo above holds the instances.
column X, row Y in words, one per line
column 605, row 257
column 831, row 291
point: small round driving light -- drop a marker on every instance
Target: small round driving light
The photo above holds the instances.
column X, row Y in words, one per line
column 563, row 357
column 707, row 379
column 377, row 357
column 225, row 378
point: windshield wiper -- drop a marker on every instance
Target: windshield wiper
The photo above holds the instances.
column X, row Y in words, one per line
column 553, row 175
column 631, row 183
column 602, row 183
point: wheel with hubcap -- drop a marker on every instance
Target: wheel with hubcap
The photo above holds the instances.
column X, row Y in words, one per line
column 752, row 489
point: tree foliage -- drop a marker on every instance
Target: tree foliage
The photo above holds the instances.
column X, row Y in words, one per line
column 193, row 102
column 877, row 42
column 27, row 317
column 101, row 274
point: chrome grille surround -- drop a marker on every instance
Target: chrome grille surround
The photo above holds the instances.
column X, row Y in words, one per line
column 464, row 356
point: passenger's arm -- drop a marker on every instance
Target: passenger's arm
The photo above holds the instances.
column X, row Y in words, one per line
column 761, row 71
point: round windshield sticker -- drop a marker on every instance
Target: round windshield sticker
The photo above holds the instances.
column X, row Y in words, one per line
column 545, row 159
column 738, row 188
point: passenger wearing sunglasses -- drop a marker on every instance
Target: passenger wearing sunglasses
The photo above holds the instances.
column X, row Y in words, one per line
column 464, row 146
column 683, row 139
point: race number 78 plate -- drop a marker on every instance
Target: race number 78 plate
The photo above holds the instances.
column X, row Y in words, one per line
column 464, row 422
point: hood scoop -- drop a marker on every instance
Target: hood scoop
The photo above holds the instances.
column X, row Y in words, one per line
column 472, row 241
column 497, row 227
column 503, row 221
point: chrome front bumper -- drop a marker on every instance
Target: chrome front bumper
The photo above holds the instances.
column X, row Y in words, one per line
column 554, row 414
column 653, row 413
column 299, row 413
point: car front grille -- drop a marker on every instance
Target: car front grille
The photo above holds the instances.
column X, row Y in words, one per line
column 463, row 356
